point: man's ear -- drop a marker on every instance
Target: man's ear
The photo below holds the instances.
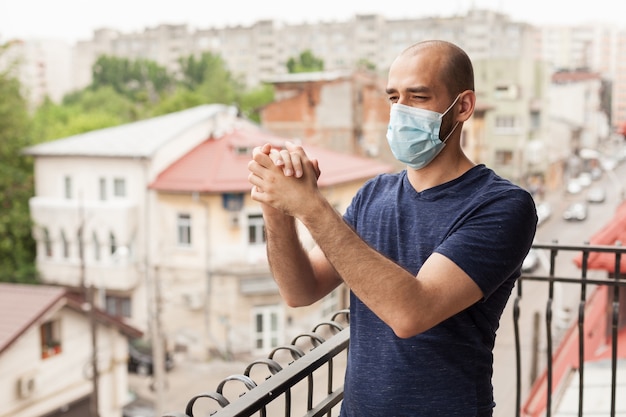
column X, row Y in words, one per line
column 468, row 102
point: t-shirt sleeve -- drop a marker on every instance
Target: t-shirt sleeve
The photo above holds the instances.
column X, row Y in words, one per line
column 491, row 242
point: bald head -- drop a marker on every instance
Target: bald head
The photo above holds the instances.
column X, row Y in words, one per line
column 456, row 70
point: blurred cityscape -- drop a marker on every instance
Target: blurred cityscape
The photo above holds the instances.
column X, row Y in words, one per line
column 146, row 232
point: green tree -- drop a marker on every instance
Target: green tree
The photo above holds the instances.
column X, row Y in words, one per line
column 140, row 80
column 306, row 62
column 17, row 246
column 81, row 112
column 252, row 101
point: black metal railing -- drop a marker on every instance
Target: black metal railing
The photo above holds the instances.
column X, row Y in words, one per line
column 577, row 331
column 272, row 392
column 276, row 386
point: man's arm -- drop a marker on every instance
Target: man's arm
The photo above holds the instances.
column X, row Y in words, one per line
column 302, row 277
column 408, row 304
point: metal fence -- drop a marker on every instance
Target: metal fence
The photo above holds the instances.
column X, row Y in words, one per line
column 609, row 282
column 311, row 356
column 309, row 359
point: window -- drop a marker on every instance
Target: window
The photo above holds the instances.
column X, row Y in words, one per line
column 96, row 246
column 112, row 243
column 50, row 339
column 506, row 92
column 183, row 224
column 118, row 306
column 103, row 189
column 67, row 187
column 506, row 124
column 66, row 245
column 504, row 157
column 256, row 229
column 47, row 243
column 119, row 187
column 267, row 327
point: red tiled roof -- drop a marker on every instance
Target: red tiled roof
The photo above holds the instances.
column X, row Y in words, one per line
column 574, row 76
column 215, row 166
column 614, row 231
column 21, row 306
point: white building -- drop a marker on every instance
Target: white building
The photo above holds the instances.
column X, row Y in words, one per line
column 46, row 362
column 170, row 236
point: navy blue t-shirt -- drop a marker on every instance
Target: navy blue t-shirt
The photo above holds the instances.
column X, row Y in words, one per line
column 485, row 225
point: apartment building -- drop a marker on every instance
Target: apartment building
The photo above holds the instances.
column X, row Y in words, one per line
column 261, row 50
column 43, row 67
column 590, row 48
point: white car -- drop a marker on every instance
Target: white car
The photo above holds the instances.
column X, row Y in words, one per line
column 596, row 195
column 544, row 211
column 574, row 186
column 531, row 261
column 575, row 211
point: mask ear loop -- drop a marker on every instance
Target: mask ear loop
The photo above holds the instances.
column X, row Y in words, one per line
column 444, row 113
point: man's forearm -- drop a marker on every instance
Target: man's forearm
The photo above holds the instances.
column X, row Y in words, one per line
column 289, row 262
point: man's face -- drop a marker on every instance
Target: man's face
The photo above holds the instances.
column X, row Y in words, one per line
column 416, row 81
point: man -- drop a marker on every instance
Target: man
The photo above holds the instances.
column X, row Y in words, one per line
column 430, row 254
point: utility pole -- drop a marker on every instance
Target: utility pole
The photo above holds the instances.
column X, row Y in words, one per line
column 154, row 313
column 89, row 294
column 158, row 351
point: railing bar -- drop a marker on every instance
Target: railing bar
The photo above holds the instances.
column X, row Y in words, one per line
column 553, row 255
column 581, row 329
column 581, row 355
column 614, row 331
column 264, row 393
column 576, row 248
column 518, row 356
column 330, row 381
column 288, row 403
column 549, row 355
column 309, row 402
column 543, row 278
column 327, row 404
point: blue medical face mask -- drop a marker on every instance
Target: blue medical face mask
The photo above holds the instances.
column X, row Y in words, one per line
column 413, row 134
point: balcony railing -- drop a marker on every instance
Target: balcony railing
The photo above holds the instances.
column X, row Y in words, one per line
column 306, row 370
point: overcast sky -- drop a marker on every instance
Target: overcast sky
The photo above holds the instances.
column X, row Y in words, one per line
column 73, row 20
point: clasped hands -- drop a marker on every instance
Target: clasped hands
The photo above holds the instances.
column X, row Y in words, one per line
column 284, row 179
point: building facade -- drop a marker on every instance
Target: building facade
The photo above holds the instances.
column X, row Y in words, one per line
column 47, row 339
column 156, row 215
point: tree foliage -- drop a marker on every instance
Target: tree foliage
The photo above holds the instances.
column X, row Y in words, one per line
column 141, row 80
column 306, row 62
column 17, row 246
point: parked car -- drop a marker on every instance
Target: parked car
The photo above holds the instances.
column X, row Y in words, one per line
column 575, row 211
column 140, row 359
column 596, row 195
column 585, row 179
column 544, row 211
column 531, row 262
column 574, row 186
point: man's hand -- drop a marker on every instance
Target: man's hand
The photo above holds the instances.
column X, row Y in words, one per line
column 283, row 179
column 290, row 159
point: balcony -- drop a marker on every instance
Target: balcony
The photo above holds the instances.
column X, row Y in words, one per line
column 569, row 346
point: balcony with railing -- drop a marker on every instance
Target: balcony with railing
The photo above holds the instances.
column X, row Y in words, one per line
column 565, row 364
